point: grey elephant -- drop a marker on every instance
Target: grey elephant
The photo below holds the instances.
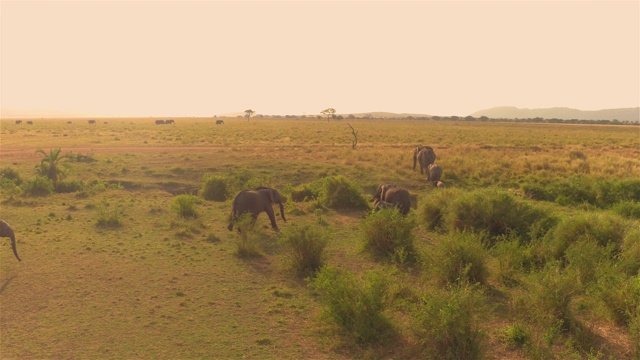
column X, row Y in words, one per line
column 381, row 204
column 6, row 231
column 254, row 202
column 388, row 193
column 425, row 156
column 434, row 174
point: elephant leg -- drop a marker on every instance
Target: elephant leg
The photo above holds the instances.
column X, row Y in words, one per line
column 272, row 217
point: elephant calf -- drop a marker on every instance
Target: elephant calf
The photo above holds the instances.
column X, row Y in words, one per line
column 434, row 174
column 254, row 202
column 6, row 231
column 391, row 194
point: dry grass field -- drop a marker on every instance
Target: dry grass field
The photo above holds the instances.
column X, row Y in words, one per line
column 109, row 269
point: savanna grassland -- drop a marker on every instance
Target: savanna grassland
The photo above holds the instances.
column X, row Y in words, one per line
column 532, row 250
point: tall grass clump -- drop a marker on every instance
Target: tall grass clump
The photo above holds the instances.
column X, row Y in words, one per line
column 447, row 322
column 109, row 217
column 604, row 229
column 387, row 233
column 305, row 246
column 215, row 188
column 10, row 174
column 248, row 237
column 629, row 209
column 184, row 206
column 355, row 305
column 434, row 206
column 338, row 192
column 514, row 260
column 38, row 186
column 629, row 257
column 459, row 257
column 495, row 212
column 620, row 294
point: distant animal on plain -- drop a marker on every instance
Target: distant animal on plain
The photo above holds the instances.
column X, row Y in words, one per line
column 18, row 122
column 390, row 193
column 29, row 122
column 170, row 121
column 425, row 156
column 91, row 121
column 219, row 122
column 159, row 122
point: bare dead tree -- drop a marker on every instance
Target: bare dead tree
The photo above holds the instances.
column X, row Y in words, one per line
column 355, row 137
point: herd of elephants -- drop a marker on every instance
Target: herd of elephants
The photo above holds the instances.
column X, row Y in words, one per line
column 261, row 199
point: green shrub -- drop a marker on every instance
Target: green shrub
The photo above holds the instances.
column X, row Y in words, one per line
column 249, row 238
column 629, row 209
column 215, row 188
column 629, row 257
column 547, row 298
column 388, row 233
column 434, row 205
column 459, row 257
column 109, row 217
column 38, row 186
column 339, row 193
column 305, row 247
column 184, row 206
column 495, row 212
column 517, row 335
column 514, row 259
column 303, row 193
column 447, row 322
column 584, row 257
column 605, row 229
column 356, row 305
column 69, row 186
column 11, row 174
column 620, row 294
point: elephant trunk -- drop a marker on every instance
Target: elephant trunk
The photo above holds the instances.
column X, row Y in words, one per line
column 282, row 211
column 13, row 246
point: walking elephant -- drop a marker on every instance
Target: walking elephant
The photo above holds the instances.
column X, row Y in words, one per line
column 434, row 174
column 388, row 193
column 256, row 201
column 6, row 231
column 425, row 156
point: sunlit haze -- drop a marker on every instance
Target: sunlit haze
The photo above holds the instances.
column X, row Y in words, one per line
column 203, row 58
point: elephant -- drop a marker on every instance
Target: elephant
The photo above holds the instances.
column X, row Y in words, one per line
column 381, row 204
column 389, row 193
column 6, row 231
column 219, row 122
column 440, row 184
column 434, row 174
column 256, row 201
column 425, row 156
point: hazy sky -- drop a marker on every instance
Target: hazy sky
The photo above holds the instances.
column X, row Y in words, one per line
column 202, row 58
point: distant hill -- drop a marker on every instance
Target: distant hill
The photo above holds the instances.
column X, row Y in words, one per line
column 510, row 112
column 386, row 115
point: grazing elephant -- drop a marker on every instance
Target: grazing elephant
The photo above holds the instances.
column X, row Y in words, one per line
column 254, row 202
column 389, row 193
column 6, row 231
column 219, row 122
column 381, row 204
column 434, row 174
column 425, row 156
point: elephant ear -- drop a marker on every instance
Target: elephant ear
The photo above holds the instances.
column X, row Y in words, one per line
column 272, row 195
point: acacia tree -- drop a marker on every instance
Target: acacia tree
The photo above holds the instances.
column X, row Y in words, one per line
column 329, row 113
column 248, row 114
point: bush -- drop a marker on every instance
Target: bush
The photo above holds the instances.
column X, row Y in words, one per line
column 215, row 188
column 10, row 174
column 584, row 257
column 629, row 209
column 433, row 207
column 303, row 193
column 306, row 245
column 620, row 295
column 605, row 229
column 247, row 246
column 388, row 233
column 38, row 186
column 495, row 212
column 109, row 217
column 459, row 257
column 339, row 193
column 355, row 305
column 629, row 258
column 447, row 322
column 514, row 259
column 184, row 206
column 69, row 186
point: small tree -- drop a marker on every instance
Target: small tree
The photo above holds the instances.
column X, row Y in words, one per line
column 330, row 112
column 50, row 165
column 248, row 114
